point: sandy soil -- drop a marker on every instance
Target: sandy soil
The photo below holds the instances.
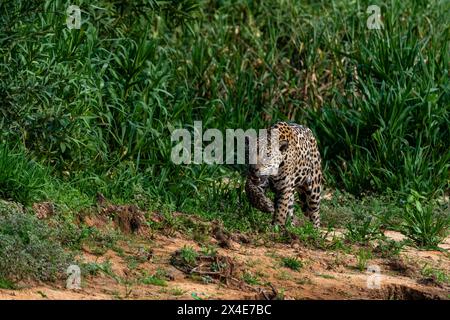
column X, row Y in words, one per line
column 324, row 274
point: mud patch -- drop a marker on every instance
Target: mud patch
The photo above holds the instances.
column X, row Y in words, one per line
column 128, row 218
column 402, row 292
column 399, row 265
column 43, row 210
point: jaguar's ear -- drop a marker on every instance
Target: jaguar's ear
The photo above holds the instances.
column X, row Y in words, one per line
column 284, row 145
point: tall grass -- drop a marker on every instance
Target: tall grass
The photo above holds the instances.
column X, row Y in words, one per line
column 21, row 180
column 98, row 104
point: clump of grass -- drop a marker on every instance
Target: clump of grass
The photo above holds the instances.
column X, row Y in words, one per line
column 177, row 291
column 95, row 268
column 364, row 255
column 308, row 235
column 423, row 223
column 388, row 248
column 326, row 276
column 100, row 240
column 189, row 255
column 21, row 179
column 283, row 275
column 438, row 276
column 250, row 278
column 292, row 263
column 154, row 280
column 7, row 284
column 173, row 291
column 209, row 250
column 157, row 279
column 362, row 228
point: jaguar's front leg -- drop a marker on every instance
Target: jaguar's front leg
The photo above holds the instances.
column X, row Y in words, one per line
column 284, row 206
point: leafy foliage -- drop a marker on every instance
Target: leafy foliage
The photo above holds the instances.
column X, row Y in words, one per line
column 100, row 102
column 425, row 225
column 29, row 249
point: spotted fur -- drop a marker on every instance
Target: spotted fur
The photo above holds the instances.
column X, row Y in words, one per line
column 294, row 166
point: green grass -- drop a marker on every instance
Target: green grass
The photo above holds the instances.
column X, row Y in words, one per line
column 154, row 280
column 94, row 268
column 308, row 235
column 439, row 276
column 21, row 179
column 173, row 291
column 250, row 278
column 423, row 223
column 92, row 110
column 158, row 278
column 388, row 248
column 363, row 257
column 362, row 229
column 7, row 284
column 100, row 102
column 189, row 255
column 292, row 263
column 326, row 276
column 209, row 250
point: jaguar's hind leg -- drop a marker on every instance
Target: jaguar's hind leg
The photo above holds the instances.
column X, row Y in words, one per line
column 313, row 205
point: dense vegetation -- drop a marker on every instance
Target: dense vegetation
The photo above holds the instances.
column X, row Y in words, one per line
column 91, row 110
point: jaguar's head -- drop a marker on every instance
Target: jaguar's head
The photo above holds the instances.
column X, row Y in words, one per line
column 269, row 156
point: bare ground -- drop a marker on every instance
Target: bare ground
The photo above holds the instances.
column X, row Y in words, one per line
column 324, row 274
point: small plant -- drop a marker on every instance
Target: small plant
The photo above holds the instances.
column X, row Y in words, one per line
column 189, row 255
column 283, row 275
column 177, row 291
column 280, row 294
column 99, row 241
column 422, row 224
column 250, row 278
column 364, row 255
column 6, row 284
column 95, row 268
column 154, row 280
column 362, row 228
column 173, row 291
column 303, row 281
column 338, row 244
column 292, row 263
column 157, row 279
column 209, row 251
column 388, row 248
column 200, row 232
column 438, row 276
column 218, row 266
column 309, row 235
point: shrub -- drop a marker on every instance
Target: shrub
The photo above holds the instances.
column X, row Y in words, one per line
column 29, row 249
column 423, row 224
column 189, row 255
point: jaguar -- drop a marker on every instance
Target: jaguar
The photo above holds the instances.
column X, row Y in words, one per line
column 287, row 161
